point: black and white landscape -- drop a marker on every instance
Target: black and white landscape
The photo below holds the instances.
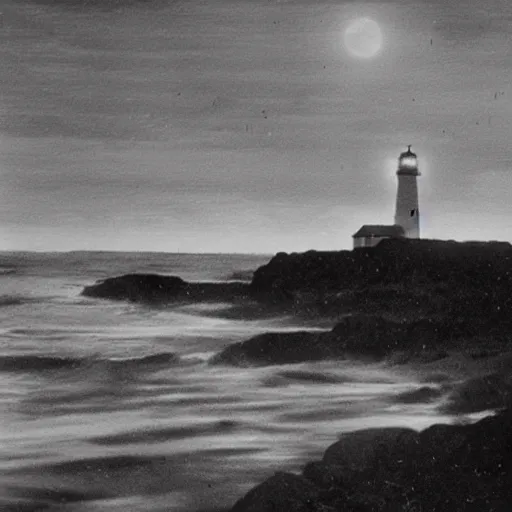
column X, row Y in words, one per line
column 187, row 321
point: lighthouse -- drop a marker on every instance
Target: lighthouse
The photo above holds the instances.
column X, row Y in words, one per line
column 407, row 213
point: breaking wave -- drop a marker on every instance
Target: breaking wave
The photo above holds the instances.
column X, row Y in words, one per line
column 15, row 300
column 41, row 363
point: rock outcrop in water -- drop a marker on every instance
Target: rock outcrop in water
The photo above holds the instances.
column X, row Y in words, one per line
column 443, row 468
column 356, row 336
column 153, row 288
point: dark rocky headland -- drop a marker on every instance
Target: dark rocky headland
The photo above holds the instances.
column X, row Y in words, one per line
column 399, row 279
column 428, row 303
column 416, row 297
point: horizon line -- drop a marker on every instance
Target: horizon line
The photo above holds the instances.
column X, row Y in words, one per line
column 35, row 251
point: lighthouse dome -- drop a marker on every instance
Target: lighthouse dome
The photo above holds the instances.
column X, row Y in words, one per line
column 408, row 153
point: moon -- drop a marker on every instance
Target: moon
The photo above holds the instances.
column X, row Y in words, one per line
column 363, row 38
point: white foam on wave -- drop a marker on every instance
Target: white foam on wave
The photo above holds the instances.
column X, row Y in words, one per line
column 198, row 356
column 205, row 307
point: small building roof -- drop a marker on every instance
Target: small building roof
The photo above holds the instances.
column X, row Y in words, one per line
column 377, row 230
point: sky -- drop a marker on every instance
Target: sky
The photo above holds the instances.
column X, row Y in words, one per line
column 247, row 125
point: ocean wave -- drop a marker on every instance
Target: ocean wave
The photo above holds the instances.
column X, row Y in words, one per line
column 15, row 300
column 314, row 377
column 204, row 307
column 286, row 378
column 201, row 357
column 38, row 332
column 241, row 275
column 152, row 359
column 164, row 434
column 41, row 363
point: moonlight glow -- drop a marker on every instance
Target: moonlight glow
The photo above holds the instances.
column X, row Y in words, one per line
column 363, row 38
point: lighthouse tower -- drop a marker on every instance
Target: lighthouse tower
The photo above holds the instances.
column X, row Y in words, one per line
column 407, row 214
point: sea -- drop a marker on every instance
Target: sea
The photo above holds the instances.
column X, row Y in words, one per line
column 114, row 406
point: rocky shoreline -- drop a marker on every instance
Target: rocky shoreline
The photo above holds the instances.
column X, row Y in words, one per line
column 398, row 279
column 426, row 303
column 442, row 468
column 356, row 336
